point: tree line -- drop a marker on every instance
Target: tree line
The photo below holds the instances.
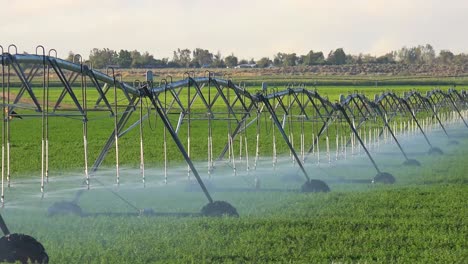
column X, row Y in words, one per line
column 203, row 58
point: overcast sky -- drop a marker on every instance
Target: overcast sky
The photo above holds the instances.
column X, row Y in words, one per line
column 247, row 28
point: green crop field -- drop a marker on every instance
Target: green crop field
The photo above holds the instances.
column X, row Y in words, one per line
column 422, row 218
column 66, row 136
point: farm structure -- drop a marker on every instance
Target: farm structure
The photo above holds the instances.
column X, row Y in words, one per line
column 294, row 114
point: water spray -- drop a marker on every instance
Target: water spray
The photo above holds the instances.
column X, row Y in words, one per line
column 383, row 177
column 408, row 161
column 311, row 185
column 432, row 150
column 212, row 208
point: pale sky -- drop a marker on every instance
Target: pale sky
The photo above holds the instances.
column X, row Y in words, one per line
column 247, row 28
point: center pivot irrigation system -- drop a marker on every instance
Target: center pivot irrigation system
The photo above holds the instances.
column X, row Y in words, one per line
column 355, row 122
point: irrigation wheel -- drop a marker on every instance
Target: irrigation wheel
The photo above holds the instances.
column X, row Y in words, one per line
column 315, row 186
column 411, row 162
column 435, row 151
column 219, row 208
column 22, row 248
column 384, row 177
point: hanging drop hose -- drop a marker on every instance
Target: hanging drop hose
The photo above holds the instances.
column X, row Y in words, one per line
column 176, row 139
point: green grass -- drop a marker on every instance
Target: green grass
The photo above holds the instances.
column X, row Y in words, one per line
column 66, row 138
column 420, row 219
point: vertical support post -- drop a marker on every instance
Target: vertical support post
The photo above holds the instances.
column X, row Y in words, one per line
column 142, row 155
column 165, row 134
column 210, row 131
column 8, row 129
column 43, row 118
column 246, row 153
column 318, row 150
column 116, row 129
column 273, row 138
column 230, row 137
column 188, row 124
column 3, row 127
column 337, row 146
column 85, row 119
column 328, row 149
column 257, row 136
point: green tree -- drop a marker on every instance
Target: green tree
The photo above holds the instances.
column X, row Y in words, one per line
column 446, row 56
column 243, row 61
column 278, row 60
column 460, row 59
column 100, row 58
column 313, row 58
column 427, row 54
column 137, row 60
column 387, row 58
column 290, row 59
column 147, row 60
column 419, row 54
column 182, row 57
column 337, row 57
column 125, row 59
column 264, row 62
column 231, row 61
column 201, row 57
column 218, row 61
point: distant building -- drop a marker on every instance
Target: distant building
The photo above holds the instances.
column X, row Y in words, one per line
column 253, row 65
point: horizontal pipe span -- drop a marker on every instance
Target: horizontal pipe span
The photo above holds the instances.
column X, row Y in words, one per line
column 39, row 59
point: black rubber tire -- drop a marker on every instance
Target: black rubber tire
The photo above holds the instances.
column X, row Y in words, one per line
column 219, row 208
column 315, row 186
column 411, row 162
column 22, row 248
column 384, row 177
column 435, row 151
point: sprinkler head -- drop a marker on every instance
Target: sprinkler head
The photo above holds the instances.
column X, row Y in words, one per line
column 435, row 151
column 64, row 208
column 384, row 177
column 22, row 248
column 219, row 208
column 411, row 162
column 315, row 186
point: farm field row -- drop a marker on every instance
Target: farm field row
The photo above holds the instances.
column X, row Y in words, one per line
column 66, row 136
column 420, row 219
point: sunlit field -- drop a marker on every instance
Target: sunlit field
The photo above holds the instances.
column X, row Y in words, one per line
column 421, row 218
